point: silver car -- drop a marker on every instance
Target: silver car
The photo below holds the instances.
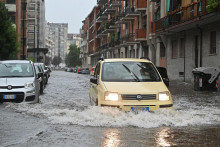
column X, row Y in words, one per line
column 19, row 82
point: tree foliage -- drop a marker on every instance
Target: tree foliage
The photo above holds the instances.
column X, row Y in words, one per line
column 212, row 5
column 56, row 60
column 8, row 36
column 72, row 58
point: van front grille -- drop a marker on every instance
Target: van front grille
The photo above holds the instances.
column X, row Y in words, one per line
column 139, row 97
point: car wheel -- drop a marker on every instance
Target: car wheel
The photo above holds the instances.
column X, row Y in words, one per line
column 38, row 99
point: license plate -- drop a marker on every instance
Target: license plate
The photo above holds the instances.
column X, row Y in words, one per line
column 138, row 109
column 9, row 97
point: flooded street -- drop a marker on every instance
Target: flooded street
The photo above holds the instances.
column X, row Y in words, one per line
column 65, row 118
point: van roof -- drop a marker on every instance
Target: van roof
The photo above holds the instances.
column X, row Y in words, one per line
column 126, row 60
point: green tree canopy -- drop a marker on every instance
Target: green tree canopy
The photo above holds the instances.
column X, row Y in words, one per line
column 8, row 37
column 56, row 60
column 72, row 58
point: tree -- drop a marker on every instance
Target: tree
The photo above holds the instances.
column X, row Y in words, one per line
column 47, row 60
column 72, row 58
column 8, row 36
column 56, row 60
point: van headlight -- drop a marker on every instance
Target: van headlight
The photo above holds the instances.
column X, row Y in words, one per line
column 29, row 85
column 111, row 96
column 164, row 96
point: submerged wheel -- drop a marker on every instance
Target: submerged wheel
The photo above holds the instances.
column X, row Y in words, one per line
column 96, row 102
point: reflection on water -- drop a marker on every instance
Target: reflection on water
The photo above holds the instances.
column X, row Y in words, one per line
column 162, row 137
column 112, row 138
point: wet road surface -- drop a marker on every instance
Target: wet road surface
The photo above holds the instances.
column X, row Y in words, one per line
column 65, row 118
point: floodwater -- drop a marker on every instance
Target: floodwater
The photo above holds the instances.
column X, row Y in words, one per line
column 67, row 119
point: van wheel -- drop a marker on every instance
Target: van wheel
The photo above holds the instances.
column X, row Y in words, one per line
column 96, row 102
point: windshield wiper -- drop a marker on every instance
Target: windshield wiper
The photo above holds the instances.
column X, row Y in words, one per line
column 152, row 75
column 132, row 74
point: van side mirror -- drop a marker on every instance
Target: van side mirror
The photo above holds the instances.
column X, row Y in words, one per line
column 94, row 80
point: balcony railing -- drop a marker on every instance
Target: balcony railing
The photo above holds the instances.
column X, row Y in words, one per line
column 182, row 15
column 140, row 34
column 115, row 3
column 100, row 2
column 91, row 23
column 141, row 4
column 128, row 38
column 91, row 37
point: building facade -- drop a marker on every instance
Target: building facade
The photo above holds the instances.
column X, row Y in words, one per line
column 188, row 32
column 36, row 41
column 17, row 12
column 57, row 34
column 177, row 34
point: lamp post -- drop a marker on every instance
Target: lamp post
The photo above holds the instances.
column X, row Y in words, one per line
column 24, row 41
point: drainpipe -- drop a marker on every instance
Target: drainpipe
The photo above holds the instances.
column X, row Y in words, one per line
column 184, row 60
column 201, row 39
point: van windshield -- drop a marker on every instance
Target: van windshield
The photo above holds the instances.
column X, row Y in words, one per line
column 129, row 72
column 16, row 70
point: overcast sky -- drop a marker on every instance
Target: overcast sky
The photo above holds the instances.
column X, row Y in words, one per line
column 72, row 12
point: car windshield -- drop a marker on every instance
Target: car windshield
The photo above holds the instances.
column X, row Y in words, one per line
column 129, row 72
column 16, row 70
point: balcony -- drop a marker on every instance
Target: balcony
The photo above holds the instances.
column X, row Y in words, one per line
column 101, row 2
column 119, row 19
column 108, row 10
column 91, row 23
column 113, row 25
column 105, row 29
column 140, row 35
column 130, row 13
column 141, row 5
column 128, row 39
column 101, row 17
column 115, row 4
column 91, row 37
column 11, row 7
column 182, row 18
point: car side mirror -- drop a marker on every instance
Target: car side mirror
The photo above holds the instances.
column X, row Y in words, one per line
column 94, row 80
column 40, row 74
column 166, row 81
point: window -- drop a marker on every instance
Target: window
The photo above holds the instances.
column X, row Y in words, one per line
column 10, row 1
column 213, row 42
column 174, row 49
column 13, row 19
column 182, row 47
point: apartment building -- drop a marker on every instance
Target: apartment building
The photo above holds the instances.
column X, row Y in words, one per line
column 117, row 29
column 17, row 12
column 36, row 42
column 84, row 48
column 188, row 36
column 177, row 34
column 57, row 33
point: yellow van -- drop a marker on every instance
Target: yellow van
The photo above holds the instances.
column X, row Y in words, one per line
column 129, row 84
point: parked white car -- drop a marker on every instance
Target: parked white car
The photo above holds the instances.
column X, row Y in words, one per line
column 19, row 82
